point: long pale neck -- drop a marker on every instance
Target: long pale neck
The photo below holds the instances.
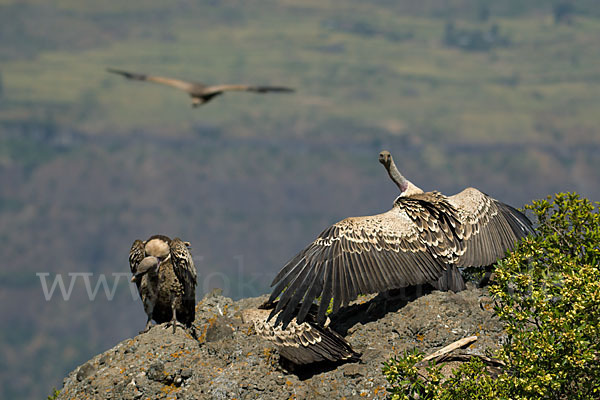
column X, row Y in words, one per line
column 406, row 187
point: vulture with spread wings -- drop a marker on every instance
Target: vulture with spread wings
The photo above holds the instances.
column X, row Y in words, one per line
column 199, row 92
column 165, row 275
column 422, row 239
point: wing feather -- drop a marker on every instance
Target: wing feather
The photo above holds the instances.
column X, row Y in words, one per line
column 366, row 285
column 488, row 227
column 184, row 268
column 292, row 295
column 136, row 255
column 354, row 286
column 327, row 291
column 245, row 88
column 176, row 83
column 301, row 343
column 338, row 284
column 315, row 288
column 357, row 256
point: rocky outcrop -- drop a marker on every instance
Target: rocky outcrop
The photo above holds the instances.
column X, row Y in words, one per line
column 228, row 360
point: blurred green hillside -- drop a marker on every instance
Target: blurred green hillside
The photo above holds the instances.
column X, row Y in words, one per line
column 500, row 95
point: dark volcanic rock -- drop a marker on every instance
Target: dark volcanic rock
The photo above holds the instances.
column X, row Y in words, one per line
column 229, row 361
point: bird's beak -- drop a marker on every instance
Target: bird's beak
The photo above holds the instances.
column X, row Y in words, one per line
column 384, row 158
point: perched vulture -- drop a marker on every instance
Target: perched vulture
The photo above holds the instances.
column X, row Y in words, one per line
column 165, row 275
column 304, row 343
column 422, row 239
column 199, row 92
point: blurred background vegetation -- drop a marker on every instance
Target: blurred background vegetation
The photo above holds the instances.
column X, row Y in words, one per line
column 499, row 95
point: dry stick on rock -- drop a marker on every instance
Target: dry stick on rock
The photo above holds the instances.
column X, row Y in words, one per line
column 452, row 346
column 494, row 365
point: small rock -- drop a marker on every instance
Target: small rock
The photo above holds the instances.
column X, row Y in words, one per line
column 130, row 349
column 137, row 394
column 218, row 330
column 353, row 371
column 84, row 371
column 186, row 373
column 104, row 359
column 370, row 354
column 156, row 372
column 214, row 293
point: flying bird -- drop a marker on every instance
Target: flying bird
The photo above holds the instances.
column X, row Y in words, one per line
column 199, row 92
column 165, row 275
column 301, row 343
column 422, row 239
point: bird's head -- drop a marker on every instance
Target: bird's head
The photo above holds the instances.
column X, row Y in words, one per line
column 158, row 246
column 197, row 101
column 149, row 264
column 385, row 158
column 403, row 184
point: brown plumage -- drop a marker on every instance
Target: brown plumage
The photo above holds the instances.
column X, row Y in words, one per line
column 199, row 92
column 422, row 239
column 301, row 344
column 165, row 275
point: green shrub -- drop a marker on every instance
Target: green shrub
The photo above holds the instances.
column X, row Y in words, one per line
column 547, row 295
column 406, row 380
column 54, row 395
column 470, row 381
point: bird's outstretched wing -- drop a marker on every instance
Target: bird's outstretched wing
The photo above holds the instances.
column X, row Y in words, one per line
column 245, row 88
column 184, row 268
column 488, row 227
column 136, row 255
column 303, row 343
column 357, row 255
column 176, row 83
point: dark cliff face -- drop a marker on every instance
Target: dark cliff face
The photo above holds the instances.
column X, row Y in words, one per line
column 230, row 361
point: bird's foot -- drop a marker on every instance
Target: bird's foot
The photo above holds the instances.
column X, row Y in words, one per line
column 176, row 324
column 147, row 328
column 194, row 332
